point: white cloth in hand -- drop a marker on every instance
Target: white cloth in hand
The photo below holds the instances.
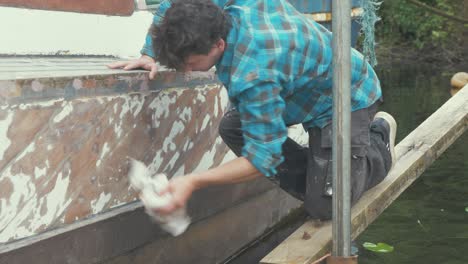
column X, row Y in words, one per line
column 149, row 187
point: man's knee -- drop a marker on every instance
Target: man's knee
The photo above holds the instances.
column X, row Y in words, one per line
column 230, row 131
column 230, row 125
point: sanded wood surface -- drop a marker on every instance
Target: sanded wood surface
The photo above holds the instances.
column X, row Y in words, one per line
column 14, row 68
column 415, row 153
column 26, row 79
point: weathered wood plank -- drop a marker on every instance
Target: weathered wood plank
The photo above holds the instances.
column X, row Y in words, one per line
column 415, row 153
column 27, row 80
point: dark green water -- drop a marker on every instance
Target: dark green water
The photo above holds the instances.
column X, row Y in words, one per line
column 428, row 222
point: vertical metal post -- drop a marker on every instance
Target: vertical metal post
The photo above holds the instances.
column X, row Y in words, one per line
column 341, row 27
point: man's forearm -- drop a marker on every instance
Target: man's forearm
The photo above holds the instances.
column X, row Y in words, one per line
column 234, row 171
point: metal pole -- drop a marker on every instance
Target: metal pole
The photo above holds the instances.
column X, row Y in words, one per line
column 341, row 27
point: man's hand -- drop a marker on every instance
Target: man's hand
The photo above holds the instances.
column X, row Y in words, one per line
column 181, row 188
column 144, row 62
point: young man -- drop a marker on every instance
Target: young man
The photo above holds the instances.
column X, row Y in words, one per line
column 277, row 67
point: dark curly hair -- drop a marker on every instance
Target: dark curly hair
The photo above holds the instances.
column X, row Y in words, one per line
column 189, row 27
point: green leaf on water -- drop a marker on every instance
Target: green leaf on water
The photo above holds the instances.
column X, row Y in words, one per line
column 466, row 209
column 380, row 247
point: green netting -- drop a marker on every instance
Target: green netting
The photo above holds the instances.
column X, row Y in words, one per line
column 367, row 21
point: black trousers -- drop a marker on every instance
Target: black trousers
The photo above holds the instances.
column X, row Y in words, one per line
column 306, row 172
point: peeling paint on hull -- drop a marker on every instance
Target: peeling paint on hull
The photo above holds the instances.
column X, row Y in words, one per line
column 75, row 153
column 65, row 159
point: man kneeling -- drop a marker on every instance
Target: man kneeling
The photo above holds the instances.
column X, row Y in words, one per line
column 277, row 68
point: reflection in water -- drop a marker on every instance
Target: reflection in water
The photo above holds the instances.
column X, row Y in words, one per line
column 428, row 222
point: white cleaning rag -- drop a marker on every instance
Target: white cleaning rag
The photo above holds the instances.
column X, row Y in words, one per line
column 149, row 187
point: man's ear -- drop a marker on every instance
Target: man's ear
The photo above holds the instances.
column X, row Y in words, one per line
column 220, row 44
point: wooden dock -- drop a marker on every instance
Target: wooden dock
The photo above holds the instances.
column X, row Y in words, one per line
column 415, row 154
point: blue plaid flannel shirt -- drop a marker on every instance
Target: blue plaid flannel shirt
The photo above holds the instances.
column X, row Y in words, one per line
column 277, row 68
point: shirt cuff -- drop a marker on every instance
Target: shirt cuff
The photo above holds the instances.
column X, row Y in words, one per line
column 261, row 156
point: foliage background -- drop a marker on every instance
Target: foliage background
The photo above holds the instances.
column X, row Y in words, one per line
column 407, row 31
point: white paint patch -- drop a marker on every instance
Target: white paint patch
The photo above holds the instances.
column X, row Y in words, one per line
column 38, row 173
column 216, row 106
column 118, row 129
column 67, row 108
column 206, row 161
column 55, row 201
column 155, row 163
column 160, row 105
column 99, row 204
column 131, row 105
column 186, row 145
column 23, row 190
column 228, row 157
column 101, row 100
column 172, row 162
column 224, row 99
column 20, row 214
column 5, row 142
column 29, row 149
column 186, row 114
column 104, row 151
column 206, row 120
column 180, row 171
column 36, row 105
column 177, row 128
column 136, row 106
column 201, row 98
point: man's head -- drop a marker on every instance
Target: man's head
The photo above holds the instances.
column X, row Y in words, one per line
column 191, row 36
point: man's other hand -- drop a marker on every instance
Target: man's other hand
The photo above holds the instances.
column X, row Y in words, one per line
column 144, row 62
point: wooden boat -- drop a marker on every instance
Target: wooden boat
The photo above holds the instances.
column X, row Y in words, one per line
column 67, row 128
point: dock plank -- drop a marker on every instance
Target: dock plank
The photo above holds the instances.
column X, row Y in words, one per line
column 415, row 154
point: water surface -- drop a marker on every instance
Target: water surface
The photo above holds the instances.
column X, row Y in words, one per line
column 428, row 222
